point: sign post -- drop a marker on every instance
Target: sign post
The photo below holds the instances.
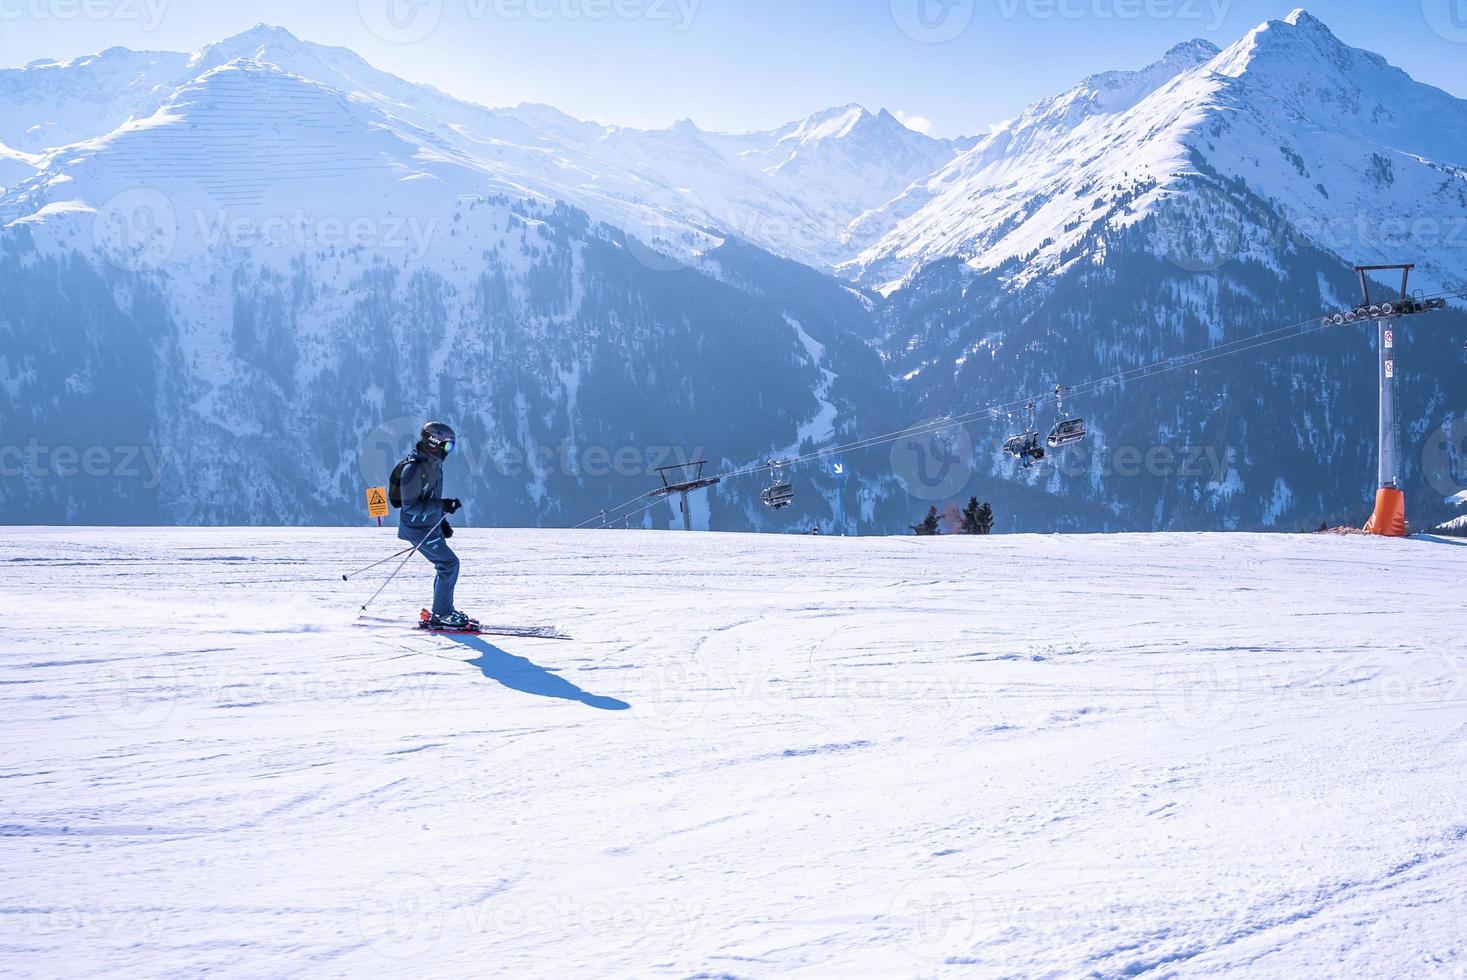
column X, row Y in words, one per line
column 377, row 503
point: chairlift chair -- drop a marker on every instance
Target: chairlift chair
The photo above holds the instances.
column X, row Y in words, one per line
column 1025, row 446
column 780, row 493
column 1066, row 431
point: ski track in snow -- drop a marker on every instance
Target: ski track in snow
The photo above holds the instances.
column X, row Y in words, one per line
column 760, row 756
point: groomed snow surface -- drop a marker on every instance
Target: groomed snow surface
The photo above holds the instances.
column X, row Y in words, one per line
column 759, row 756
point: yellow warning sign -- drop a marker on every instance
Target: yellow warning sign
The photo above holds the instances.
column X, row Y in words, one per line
column 377, row 502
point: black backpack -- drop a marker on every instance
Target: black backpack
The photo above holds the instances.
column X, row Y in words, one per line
column 394, row 484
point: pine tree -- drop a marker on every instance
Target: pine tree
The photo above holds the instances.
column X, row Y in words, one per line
column 970, row 524
column 984, row 518
column 930, row 524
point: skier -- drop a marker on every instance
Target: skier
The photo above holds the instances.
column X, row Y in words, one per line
column 417, row 490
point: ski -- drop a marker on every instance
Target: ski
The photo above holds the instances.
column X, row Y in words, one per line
column 523, row 632
column 519, row 632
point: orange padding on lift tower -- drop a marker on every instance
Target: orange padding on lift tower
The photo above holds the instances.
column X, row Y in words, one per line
column 1389, row 518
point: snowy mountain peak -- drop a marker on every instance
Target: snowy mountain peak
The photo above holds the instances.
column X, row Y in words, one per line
column 1066, row 116
column 263, row 33
column 1299, row 17
column 880, row 134
column 1301, row 119
column 1194, row 51
column 1298, row 43
column 259, row 41
column 1116, row 91
column 276, row 45
column 835, row 123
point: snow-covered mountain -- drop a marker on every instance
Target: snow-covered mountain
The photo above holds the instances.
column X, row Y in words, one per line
column 252, row 258
column 794, row 189
column 1329, row 134
column 1350, row 152
column 1205, row 199
column 307, row 243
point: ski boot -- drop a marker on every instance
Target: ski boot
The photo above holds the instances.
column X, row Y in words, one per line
column 454, row 622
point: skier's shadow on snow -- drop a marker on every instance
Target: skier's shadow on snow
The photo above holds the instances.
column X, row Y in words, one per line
column 519, row 674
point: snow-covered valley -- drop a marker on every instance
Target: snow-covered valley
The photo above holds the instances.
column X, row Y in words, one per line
column 758, row 756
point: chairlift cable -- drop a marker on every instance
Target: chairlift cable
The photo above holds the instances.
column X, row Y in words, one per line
column 1176, row 362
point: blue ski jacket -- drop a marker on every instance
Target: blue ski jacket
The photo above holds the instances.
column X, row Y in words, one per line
column 422, row 495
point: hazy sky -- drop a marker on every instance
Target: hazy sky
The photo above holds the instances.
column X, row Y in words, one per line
column 743, row 64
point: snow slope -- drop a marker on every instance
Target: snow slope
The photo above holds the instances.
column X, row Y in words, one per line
column 1020, row 755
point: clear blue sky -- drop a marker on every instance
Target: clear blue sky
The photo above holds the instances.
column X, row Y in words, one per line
column 743, row 64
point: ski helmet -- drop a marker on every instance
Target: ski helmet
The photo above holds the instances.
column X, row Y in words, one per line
column 438, row 438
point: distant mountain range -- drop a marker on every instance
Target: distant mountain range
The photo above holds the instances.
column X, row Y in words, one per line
column 794, row 190
column 256, row 259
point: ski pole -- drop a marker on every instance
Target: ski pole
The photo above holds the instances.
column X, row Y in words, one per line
column 399, row 568
column 375, row 564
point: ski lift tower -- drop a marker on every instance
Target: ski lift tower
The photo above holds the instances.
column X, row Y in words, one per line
column 686, row 486
column 1389, row 518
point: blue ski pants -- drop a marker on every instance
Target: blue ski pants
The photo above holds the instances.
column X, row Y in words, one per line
column 437, row 551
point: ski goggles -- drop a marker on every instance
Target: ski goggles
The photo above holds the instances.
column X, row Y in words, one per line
column 447, row 445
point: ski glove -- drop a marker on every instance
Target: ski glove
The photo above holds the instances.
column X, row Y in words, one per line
column 447, row 530
column 452, row 504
